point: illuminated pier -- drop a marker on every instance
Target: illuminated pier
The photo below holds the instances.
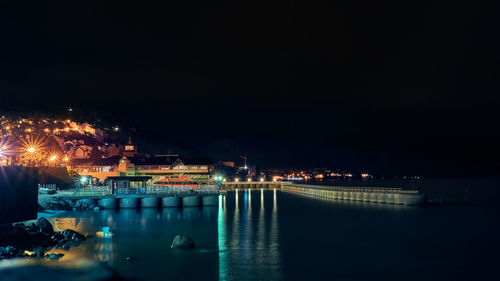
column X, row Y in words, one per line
column 249, row 184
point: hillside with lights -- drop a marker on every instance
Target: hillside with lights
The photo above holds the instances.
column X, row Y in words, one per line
column 42, row 141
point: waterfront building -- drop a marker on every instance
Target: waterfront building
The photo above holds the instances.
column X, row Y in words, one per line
column 169, row 169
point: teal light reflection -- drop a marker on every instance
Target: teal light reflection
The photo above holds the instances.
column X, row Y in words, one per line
column 221, row 233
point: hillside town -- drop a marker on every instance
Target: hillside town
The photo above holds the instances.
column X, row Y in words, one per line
column 94, row 155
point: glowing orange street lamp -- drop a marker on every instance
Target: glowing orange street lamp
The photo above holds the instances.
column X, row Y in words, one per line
column 53, row 157
column 66, row 159
column 30, row 149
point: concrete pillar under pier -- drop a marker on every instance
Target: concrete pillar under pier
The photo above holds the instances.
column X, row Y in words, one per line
column 210, row 200
column 352, row 195
column 398, row 199
column 347, row 195
column 107, row 203
column 359, row 196
column 389, row 199
column 335, row 194
column 366, row 196
column 171, row 202
column 191, row 201
column 381, row 197
column 340, row 195
column 374, row 197
column 150, row 202
column 129, row 202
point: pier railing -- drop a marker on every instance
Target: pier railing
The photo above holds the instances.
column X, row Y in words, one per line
column 150, row 190
column 229, row 185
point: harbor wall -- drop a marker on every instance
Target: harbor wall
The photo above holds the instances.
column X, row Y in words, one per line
column 395, row 196
column 18, row 194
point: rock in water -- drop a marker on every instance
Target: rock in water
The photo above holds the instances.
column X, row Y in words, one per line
column 44, row 226
column 182, row 242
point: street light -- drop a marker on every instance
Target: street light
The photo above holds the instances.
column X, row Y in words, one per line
column 31, row 149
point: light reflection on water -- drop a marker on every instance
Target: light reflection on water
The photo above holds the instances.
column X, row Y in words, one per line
column 270, row 235
column 243, row 237
column 250, row 251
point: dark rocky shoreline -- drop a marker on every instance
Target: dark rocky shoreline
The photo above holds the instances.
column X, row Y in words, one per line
column 59, row 203
column 38, row 238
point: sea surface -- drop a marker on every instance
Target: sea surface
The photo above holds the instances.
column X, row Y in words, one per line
column 273, row 235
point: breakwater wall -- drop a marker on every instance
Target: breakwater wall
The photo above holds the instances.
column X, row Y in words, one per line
column 18, row 193
column 132, row 201
column 396, row 196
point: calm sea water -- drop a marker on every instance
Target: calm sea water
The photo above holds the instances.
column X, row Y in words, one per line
column 272, row 235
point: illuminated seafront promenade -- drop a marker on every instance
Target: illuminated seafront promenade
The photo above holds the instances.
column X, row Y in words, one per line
column 167, row 197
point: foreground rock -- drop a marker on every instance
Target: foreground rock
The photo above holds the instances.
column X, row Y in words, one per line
column 182, row 242
column 43, row 225
column 38, row 238
column 82, row 270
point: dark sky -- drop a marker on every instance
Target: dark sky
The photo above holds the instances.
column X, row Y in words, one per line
column 388, row 87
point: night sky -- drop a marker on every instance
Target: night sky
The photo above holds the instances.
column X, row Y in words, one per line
column 391, row 87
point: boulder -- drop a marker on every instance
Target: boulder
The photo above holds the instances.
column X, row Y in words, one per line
column 57, row 237
column 44, row 226
column 32, row 227
column 53, row 256
column 97, row 208
column 11, row 251
column 38, row 253
column 182, row 242
column 19, row 225
column 68, row 233
column 63, row 242
column 77, row 237
column 19, row 229
column 35, row 239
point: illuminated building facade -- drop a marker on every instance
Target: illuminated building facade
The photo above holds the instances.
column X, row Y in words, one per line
column 164, row 169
